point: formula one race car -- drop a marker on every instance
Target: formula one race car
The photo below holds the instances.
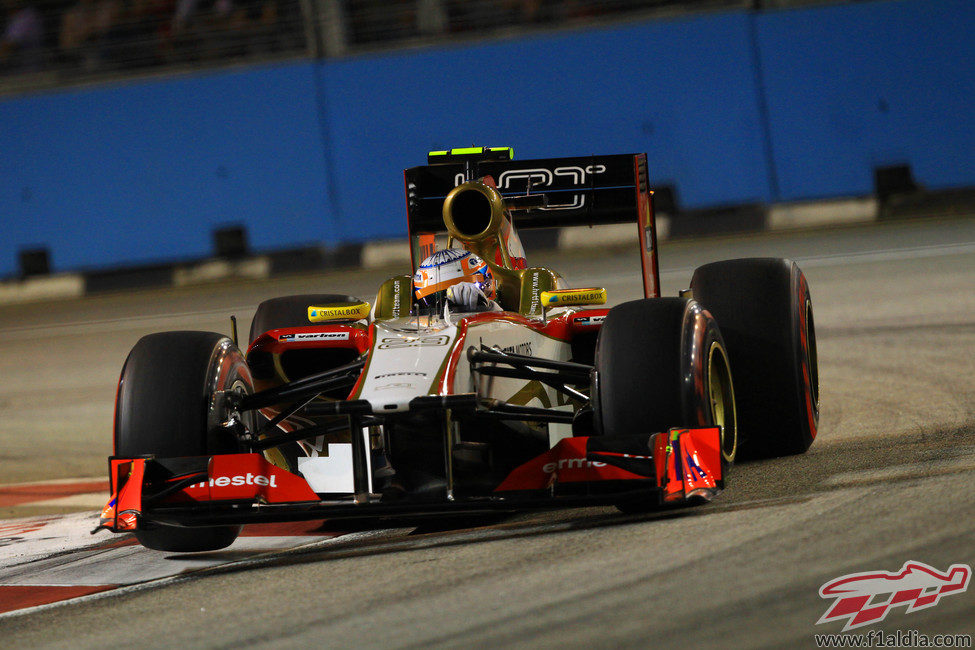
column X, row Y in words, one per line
column 532, row 396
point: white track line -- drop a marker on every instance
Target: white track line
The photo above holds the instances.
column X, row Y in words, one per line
column 880, row 255
column 57, row 481
column 122, row 323
column 256, row 560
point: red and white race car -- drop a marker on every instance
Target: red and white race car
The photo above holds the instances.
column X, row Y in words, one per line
column 342, row 409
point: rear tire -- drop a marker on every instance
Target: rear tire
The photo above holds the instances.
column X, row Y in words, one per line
column 765, row 313
column 164, row 409
column 291, row 311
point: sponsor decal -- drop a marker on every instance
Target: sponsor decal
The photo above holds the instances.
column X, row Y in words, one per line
column 394, row 386
column 570, row 463
column 591, row 296
column 397, row 302
column 524, row 349
column 533, row 309
column 357, row 311
column 589, row 320
column 248, row 479
column 541, row 177
column 401, row 374
column 567, row 462
column 867, row 597
column 314, row 336
column 248, row 476
column 393, row 343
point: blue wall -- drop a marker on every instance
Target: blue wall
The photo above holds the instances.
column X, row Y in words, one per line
column 145, row 171
column 678, row 89
column 851, row 87
column 732, row 107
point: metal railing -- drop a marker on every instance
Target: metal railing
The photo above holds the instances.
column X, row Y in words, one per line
column 46, row 43
column 55, row 42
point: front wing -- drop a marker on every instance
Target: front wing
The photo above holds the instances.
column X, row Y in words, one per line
column 672, row 468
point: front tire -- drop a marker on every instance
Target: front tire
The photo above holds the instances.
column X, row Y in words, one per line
column 662, row 363
column 164, row 408
column 765, row 313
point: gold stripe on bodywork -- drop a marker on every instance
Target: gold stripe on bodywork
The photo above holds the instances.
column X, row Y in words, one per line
column 533, row 389
column 395, row 298
column 535, row 282
column 276, row 458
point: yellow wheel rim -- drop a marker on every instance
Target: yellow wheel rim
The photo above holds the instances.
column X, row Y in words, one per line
column 721, row 394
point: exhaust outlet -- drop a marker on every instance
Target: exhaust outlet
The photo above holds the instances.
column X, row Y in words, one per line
column 473, row 212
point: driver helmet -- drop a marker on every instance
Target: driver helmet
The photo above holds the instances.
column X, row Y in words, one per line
column 446, row 268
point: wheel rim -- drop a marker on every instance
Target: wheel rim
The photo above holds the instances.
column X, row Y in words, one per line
column 721, row 394
column 223, row 376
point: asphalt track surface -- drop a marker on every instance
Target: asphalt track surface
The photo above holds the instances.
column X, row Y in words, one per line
column 889, row 479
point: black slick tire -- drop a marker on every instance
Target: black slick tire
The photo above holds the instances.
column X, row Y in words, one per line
column 164, row 408
column 764, row 310
column 661, row 363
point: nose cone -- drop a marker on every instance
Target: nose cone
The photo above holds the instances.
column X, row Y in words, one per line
column 405, row 363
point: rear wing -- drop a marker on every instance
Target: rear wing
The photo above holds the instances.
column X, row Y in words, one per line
column 578, row 191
